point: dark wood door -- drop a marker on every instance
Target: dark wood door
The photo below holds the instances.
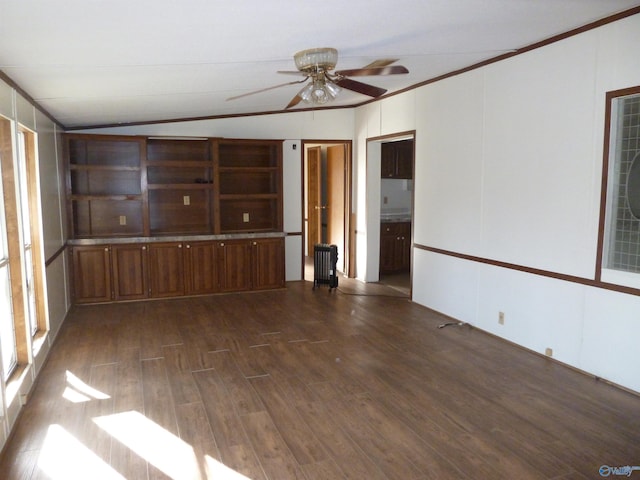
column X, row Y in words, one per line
column 166, row 269
column 201, row 274
column 130, row 276
column 234, row 269
column 267, row 263
column 92, row 273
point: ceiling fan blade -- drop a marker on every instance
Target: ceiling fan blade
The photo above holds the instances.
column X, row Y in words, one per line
column 266, row 89
column 360, row 87
column 294, row 101
column 383, row 62
column 361, row 72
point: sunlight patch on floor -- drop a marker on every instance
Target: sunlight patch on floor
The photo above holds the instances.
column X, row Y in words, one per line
column 174, row 457
column 63, row 457
column 77, row 391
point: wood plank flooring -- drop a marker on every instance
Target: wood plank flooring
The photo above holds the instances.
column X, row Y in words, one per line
column 302, row 384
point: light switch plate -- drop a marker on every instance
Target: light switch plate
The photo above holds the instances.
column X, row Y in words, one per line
column 245, row 217
column 186, row 199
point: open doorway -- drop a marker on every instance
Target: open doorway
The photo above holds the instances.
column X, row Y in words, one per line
column 327, row 201
column 390, row 210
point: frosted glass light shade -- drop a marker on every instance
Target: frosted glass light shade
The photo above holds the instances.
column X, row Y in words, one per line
column 309, row 60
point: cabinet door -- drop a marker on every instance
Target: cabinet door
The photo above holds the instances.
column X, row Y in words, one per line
column 405, row 256
column 404, row 159
column 388, row 253
column 268, row 263
column 166, row 270
column 201, row 274
column 92, row 274
column 129, row 263
column 234, row 269
column 388, row 160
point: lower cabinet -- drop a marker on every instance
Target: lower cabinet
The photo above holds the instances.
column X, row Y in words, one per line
column 395, row 247
column 201, row 274
column 166, row 270
column 121, row 272
column 129, row 265
column 256, row 264
column 92, row 273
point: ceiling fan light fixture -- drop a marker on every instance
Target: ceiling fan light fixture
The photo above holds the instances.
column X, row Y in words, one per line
column 316, row 58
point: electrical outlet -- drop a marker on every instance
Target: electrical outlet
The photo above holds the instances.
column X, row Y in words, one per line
column 548, row 352
column 123, row 219
column 245, row 217
column 385, row 200
column 501, row 318
column 186, row 199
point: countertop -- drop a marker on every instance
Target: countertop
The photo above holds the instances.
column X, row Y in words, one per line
column 174, row 238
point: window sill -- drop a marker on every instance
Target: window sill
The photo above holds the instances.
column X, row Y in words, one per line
column 15, row 382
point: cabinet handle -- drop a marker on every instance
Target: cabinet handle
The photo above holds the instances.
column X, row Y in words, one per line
column 179, row 245
column 188, row 246
column 144, row 247
column 106, row 249
column 222, row 244
column 255, row 243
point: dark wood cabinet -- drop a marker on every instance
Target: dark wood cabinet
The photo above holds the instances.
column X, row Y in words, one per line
column 91, row 273
column 397, row 159
column 174, row 188
column 104, row 185
column 129, row 264
column 180, row 186
column 234, row 265
column 255, row 264
column 267, row 263
column 166, row 269
column 136, row 186
column 395, row 247
column 249, row 183
column 200, row 264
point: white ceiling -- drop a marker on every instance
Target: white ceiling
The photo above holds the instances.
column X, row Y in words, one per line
column 97, row 62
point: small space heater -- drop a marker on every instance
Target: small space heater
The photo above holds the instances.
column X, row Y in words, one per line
column 325, row 258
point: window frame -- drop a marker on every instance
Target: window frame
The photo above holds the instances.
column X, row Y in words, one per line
column 603, row 275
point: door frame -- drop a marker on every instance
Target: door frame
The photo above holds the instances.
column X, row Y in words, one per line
column 349, row 223
column 372, row 209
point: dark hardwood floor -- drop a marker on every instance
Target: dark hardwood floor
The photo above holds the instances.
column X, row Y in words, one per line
column 302, row 384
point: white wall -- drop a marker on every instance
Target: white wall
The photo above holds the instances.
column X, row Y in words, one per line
column 52, row 212
column 508, row 168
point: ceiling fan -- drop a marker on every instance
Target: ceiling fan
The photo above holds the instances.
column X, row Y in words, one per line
column 316, row 65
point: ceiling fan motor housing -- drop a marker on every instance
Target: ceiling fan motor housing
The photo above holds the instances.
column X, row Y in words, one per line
column 316, row 59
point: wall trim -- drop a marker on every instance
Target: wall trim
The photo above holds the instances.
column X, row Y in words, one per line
column 533, row 271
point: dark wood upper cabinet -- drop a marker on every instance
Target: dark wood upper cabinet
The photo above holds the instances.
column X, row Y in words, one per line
column 249, row 184
column 104, row 185
column 135, row 186
column 397, row 159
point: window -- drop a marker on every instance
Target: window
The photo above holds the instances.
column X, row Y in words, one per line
column 621, row 244
column 8, row 345
column 25, row 210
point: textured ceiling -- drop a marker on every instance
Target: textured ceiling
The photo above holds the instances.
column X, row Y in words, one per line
column 97, row 62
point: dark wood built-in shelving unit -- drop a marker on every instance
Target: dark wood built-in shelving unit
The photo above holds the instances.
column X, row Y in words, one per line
column 150, row 189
